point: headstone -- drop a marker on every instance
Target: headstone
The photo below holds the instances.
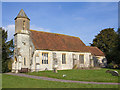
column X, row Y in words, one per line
column 55, row 68
column 107, row 71
column 46, row 69
column 114, row 73
column 64, row 75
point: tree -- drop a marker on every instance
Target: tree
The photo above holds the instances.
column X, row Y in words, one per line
column 106, row 41
column 10, row 64
column 118, row 47
column 7, row 51
column 116, row 50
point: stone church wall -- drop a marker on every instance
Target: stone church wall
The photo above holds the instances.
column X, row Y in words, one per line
column 69, row 60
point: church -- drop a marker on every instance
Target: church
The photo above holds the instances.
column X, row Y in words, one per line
column 37, row 50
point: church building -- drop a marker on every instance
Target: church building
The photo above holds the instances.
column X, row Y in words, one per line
column 38, row 50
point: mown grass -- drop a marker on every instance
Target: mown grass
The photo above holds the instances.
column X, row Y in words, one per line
column 0, row 81
column 9, row 81
column 98, row 75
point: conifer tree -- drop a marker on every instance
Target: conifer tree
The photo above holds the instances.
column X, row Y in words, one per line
column 7, row 51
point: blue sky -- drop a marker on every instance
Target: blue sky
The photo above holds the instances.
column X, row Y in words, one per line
column 80, row 19
column 0, row 14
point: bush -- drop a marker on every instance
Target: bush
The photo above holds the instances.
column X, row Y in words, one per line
column 113, row 66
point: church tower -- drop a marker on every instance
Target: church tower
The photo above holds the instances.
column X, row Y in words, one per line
column 21, row 42
column 22, row 22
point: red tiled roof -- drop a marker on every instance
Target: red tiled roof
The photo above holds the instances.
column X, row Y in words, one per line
column 95, row 51
column 57, row 42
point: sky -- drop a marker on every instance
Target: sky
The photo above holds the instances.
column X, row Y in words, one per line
column 80, row 19
column 60, row 0
column 0, row 14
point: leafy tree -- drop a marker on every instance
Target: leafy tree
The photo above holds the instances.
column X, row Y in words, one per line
column 7, row 51
column 116, row 50
column 118, row 46
column 106, row 41
column 10, row 64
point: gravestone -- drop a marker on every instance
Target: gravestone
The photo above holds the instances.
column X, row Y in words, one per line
column 55, row 63
column 64, row 75
column 114, row 73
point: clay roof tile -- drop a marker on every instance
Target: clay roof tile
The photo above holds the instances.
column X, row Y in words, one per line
column 57, row 42
column 95, row 51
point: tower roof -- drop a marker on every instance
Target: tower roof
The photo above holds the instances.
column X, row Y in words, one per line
column 22, row 14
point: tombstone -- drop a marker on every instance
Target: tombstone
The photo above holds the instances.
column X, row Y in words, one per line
column 64, row 75
column 55, row 63
column 107, row 71
column 55, row 69
column 46, row 69
column 114, row 73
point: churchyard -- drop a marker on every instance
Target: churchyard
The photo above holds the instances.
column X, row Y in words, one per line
column 23, row 82
column 92, row 75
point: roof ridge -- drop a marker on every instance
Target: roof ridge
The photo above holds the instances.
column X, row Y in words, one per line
column 92, row 46
column 55, row 33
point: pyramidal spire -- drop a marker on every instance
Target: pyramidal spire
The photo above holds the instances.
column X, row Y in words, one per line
column 22, row 14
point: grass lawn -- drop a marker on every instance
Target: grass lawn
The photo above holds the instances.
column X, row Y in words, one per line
column 79, row 75
column 9, row 81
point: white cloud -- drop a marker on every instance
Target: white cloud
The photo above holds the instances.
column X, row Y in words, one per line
column 11, row 30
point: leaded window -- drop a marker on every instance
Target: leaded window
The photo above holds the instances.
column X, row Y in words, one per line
column 63, row 58
column 44, row 58
column 81, row 59
column 24, row 61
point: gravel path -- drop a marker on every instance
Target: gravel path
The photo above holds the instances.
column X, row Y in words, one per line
column 60, row 80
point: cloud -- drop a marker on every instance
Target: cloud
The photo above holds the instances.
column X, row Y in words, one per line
column 34, row 27
column 11, row 30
